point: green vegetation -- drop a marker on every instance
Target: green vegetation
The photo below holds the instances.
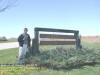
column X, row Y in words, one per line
column 8, row 41
column 8, row 56
column 91, row 45
column 64, row 58
column 86, row 70
column 59, row 59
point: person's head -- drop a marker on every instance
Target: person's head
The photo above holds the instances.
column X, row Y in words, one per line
column 25, row 30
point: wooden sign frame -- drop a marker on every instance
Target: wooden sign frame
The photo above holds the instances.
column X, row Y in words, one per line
column 36, row 43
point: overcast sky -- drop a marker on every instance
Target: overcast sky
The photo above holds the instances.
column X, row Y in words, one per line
column 82, row 15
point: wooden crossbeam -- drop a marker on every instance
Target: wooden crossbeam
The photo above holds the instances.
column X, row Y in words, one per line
column 57, row 42
column 55, row 30
column 57, row 36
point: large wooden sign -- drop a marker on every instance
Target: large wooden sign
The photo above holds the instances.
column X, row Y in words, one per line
column 60, row 38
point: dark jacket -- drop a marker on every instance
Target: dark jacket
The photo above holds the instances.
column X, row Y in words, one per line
column 21, row 41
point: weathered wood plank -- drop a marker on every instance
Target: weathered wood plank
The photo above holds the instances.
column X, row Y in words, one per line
column 57, row 36
column 36, row 42
column 77, row 39
column 57, row 42
column 55, row 30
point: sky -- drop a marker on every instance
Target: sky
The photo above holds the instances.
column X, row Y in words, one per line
column 82, row 15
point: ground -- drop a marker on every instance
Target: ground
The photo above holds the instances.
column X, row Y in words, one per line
column 91, row 39
column 9, row 56
column 8, row 41
column 8, row 45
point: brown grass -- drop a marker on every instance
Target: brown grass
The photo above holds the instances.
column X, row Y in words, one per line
column 91, row 39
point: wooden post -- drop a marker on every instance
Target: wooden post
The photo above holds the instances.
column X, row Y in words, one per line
column 36, row 43
column 80, row 46
column 77, row 39
column 32, row 50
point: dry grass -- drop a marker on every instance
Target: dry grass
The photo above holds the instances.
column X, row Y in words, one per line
column 91, row 39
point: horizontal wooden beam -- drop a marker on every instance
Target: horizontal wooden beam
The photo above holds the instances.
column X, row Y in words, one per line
column 57, row 42
column 57, row 36
column 55, row 30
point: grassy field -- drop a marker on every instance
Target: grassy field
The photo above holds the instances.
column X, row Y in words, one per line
column 9, row 57
column 91, row 45
column 8, row 41
column 86, row 70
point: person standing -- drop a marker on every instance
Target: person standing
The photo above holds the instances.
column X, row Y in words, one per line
column 24, row 44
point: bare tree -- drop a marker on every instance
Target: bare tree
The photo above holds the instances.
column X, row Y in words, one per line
column 6, row 4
